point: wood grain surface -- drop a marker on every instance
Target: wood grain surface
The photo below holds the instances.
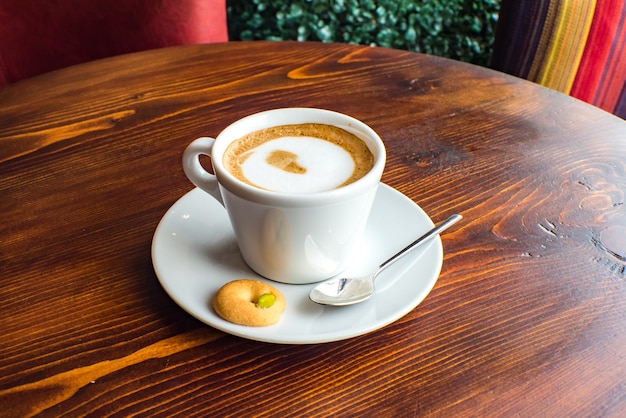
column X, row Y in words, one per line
column 528, row 317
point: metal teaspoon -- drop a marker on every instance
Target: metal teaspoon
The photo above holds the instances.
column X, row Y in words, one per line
column 343, row 291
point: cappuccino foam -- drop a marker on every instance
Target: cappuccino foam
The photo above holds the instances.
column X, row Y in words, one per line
column 302, row 158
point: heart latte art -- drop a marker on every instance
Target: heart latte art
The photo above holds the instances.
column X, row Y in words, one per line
column 301, row 158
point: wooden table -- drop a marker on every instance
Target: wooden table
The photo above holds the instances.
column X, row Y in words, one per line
column 528, row 317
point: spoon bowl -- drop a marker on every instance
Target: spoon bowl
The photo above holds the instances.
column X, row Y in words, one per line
column 350, row 290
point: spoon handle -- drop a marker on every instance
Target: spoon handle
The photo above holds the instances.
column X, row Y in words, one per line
column 428, row 235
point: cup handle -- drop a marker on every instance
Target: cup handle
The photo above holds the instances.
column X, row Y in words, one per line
column 194, row 170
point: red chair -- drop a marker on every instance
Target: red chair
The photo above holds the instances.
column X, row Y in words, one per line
column 577, row 47
column 37, row 36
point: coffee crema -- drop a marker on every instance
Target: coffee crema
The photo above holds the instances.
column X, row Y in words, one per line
column 299, row 158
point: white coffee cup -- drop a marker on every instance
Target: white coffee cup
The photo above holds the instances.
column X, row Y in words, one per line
column 293, row 238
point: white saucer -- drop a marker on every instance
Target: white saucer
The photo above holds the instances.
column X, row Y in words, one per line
column 194, row 253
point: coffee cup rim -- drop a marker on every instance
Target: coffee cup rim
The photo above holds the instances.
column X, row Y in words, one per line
column 295, row 115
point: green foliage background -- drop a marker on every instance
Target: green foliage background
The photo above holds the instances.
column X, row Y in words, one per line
column 458, row 29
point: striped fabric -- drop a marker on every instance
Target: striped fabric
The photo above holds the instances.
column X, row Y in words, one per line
column 577, row 47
